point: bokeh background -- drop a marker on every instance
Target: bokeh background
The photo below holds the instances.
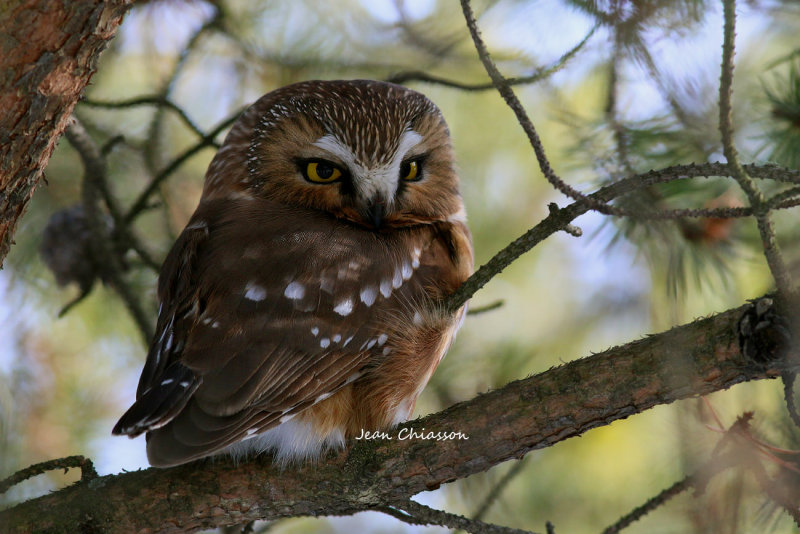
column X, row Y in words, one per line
column 64, row 382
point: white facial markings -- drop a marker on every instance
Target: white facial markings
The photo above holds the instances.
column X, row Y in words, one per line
column 372, row 182
column 294, row 291
column 368, row 295
column 344, row 307
column 254, row 292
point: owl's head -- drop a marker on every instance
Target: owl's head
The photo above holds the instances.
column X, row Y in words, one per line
column 373, row 153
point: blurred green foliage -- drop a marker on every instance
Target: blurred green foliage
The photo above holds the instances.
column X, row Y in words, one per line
column 630, row 100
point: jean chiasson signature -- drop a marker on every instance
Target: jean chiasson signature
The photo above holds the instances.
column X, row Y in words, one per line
column 412, row 433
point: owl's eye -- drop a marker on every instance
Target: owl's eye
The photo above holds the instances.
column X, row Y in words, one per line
column 321, row 172
column 411, row 170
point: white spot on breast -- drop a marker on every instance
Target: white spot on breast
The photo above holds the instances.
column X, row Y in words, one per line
column 382, row 339
column 345, row 307
column 368, row 295
column 315, row 331
column 386, row 288
column 337, row 338
column 254, row 292
column 294, row 291
column 397, row 279
column 415, row 263
column 324, row 342
column 417, row 319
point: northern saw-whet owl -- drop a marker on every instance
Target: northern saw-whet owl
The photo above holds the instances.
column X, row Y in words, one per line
column 302, row 303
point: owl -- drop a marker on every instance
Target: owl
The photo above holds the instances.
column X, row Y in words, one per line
column 303, row 302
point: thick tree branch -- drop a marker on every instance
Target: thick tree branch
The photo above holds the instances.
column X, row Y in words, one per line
column 48, row 53
column 566, row 401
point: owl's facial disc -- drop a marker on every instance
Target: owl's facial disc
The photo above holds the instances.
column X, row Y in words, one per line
column 375, row 182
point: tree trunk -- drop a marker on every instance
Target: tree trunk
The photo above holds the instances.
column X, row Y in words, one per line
column 48, row 53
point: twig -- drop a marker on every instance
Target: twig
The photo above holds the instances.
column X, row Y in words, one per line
column 413, row 513
column 788, row 379
column 141, row 202
column 102, row 247
column 513, row 102
column 559, row 219
column 85, row 464
column 777, row 266
column 540, row 73
column 497, row 489
column 489, row 307
column 150, row 100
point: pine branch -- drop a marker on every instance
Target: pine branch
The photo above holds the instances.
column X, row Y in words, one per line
column 533, row 413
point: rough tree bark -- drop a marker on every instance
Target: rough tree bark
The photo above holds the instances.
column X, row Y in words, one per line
column 48, row 53
column 528, row 414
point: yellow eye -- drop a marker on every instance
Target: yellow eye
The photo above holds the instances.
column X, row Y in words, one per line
column 321, row 172
column 409, row 171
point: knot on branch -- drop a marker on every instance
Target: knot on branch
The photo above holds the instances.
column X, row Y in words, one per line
column 764, row 332
column 66, row 248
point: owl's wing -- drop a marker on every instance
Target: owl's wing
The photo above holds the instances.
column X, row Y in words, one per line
column 262, row 316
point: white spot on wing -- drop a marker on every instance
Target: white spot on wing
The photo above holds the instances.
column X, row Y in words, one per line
column 295, row 291
column 322, row 397
column 315, row 331
column 324, row 342
column 344, row 308
column 417, row 319
column 386, row 288
column 337, row 338
column 167, row 381
column 382, row 339
column 397, row 279
column 406, row 271
column 254, row 292
column 368, row 295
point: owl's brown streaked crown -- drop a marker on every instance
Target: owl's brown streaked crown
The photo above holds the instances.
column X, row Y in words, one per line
column 367, row 116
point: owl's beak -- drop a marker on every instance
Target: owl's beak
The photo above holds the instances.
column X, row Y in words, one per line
column 376, row 211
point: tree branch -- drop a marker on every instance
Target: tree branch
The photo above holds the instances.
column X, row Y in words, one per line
column 566, row 401
column 41, row 81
